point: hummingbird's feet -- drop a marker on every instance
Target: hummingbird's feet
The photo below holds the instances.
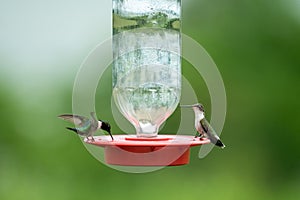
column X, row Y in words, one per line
column 195, row 138
column 200, row 136
column 90, row 139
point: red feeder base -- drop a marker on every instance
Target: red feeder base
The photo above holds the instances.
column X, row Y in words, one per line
column 163, row 150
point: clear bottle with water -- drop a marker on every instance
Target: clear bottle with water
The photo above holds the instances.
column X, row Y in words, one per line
column 147, row 62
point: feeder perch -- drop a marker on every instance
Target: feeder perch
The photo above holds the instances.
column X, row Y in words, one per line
column 163, row 150
column 147, row 83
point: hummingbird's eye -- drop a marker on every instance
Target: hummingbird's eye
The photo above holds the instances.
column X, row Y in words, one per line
column 201, row 108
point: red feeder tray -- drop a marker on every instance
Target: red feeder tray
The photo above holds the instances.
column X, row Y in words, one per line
column 163, row 150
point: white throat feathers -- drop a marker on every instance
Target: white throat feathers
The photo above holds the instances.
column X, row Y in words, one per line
column 199, row 115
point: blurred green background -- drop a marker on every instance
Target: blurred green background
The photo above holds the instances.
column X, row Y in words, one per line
column 255, row 45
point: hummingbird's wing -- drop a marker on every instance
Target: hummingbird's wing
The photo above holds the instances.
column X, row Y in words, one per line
column 75, row 119
column 204, row 124
column 210, row 133
column 77, row 131
column 207, row 127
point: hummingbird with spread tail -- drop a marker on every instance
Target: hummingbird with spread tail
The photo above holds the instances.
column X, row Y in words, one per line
column 204, row 129
column 86, row 126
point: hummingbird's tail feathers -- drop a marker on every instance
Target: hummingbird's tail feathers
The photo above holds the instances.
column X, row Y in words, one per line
column 220, row 144
column 72, row 129
column 76, row 131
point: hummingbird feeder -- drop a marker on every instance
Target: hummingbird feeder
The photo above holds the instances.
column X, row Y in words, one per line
column 147, row 83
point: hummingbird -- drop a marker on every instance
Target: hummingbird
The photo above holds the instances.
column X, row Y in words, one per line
column 204, row 129
column 86, row 126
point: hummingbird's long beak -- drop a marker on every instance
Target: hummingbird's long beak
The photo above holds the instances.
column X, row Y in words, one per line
column 187, row 106
column 112, row 138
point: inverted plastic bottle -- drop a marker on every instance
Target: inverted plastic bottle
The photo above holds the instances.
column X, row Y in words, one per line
column 147, row 62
